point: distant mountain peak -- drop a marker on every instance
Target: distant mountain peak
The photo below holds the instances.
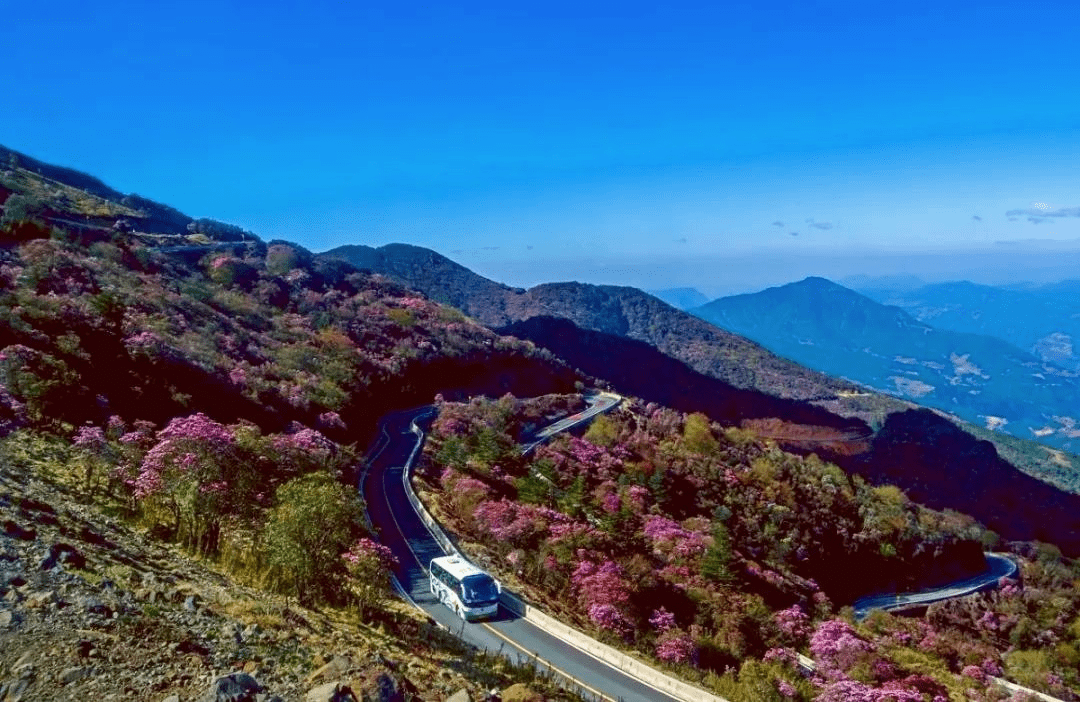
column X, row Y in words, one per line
column 681, row 298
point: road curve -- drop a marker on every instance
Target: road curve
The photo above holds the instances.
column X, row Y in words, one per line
column 400, row 528
column 997, row 567
column 598, row 404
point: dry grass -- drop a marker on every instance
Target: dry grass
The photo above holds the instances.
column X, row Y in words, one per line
column 63, row 198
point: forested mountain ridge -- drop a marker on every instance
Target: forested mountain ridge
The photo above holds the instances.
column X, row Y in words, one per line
column 621, row 311
column 626, row 314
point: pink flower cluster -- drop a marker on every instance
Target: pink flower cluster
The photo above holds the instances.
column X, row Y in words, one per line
column 669, row 539
column 604, row 593
column 662, row 620
column 676, row 647
column 197, row 427
column 90, row 437
column 182, row 445
column 514, row 523
column 308, row 441
column 331, row 420
column 366, row 550
column 835, row 647
column 847, row 690
column 793, row 622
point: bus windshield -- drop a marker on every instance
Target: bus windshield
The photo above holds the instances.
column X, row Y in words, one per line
column 479, row 589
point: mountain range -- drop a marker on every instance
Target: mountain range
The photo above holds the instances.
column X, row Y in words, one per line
column 981, row 378
column 1043, row 320
column 682, row 298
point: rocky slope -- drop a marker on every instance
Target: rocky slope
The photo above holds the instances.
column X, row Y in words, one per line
column 91, row 609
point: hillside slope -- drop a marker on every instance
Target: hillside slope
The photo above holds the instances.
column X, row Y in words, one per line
column 619, row 311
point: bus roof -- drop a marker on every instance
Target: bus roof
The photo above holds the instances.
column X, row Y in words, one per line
column 457, row 566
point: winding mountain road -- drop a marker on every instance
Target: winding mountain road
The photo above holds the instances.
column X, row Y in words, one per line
column 598, row 403
column 400, row 528
column 386, row 492
column 998, row 567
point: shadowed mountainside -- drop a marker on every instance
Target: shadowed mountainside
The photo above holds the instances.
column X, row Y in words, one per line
column 941, row 466
column 668, row 382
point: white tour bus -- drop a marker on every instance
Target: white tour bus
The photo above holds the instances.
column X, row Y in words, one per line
column 464, row 588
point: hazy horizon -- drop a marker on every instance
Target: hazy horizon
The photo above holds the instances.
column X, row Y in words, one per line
column 731, row 274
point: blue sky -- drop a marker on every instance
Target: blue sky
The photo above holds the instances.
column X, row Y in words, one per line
column 722, row 145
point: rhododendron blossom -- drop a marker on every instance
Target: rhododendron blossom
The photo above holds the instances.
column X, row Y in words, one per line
column 305, row 440
column 669, row 539
column 511, row 522
column 331, row 420
column 90, row 437
column 608, row 616
column 675, row 647
column 793, row 622
column 662, row 620
column 836, row 648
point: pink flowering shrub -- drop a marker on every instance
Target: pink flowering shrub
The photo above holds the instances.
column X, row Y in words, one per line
column 675, row 646
column 670, row 541
column 974, row 672
column 90, row 438
column 604, row 594
column 847, row 690
column 662, row 620
column 369, row 566
column 331, row 420
column 305, row 441
column 513, row 524
column 194, row 474
column 836, row 648
column 793, row 623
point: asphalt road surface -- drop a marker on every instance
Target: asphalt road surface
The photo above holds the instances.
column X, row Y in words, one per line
column 400, row 528
column 997, row 567
column 598, row 404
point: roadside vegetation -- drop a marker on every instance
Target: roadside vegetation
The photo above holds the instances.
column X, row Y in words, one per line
column 722, row 556
column 214, row 400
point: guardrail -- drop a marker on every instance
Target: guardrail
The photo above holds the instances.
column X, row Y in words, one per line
column 632, row 667
column 1014, row 688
